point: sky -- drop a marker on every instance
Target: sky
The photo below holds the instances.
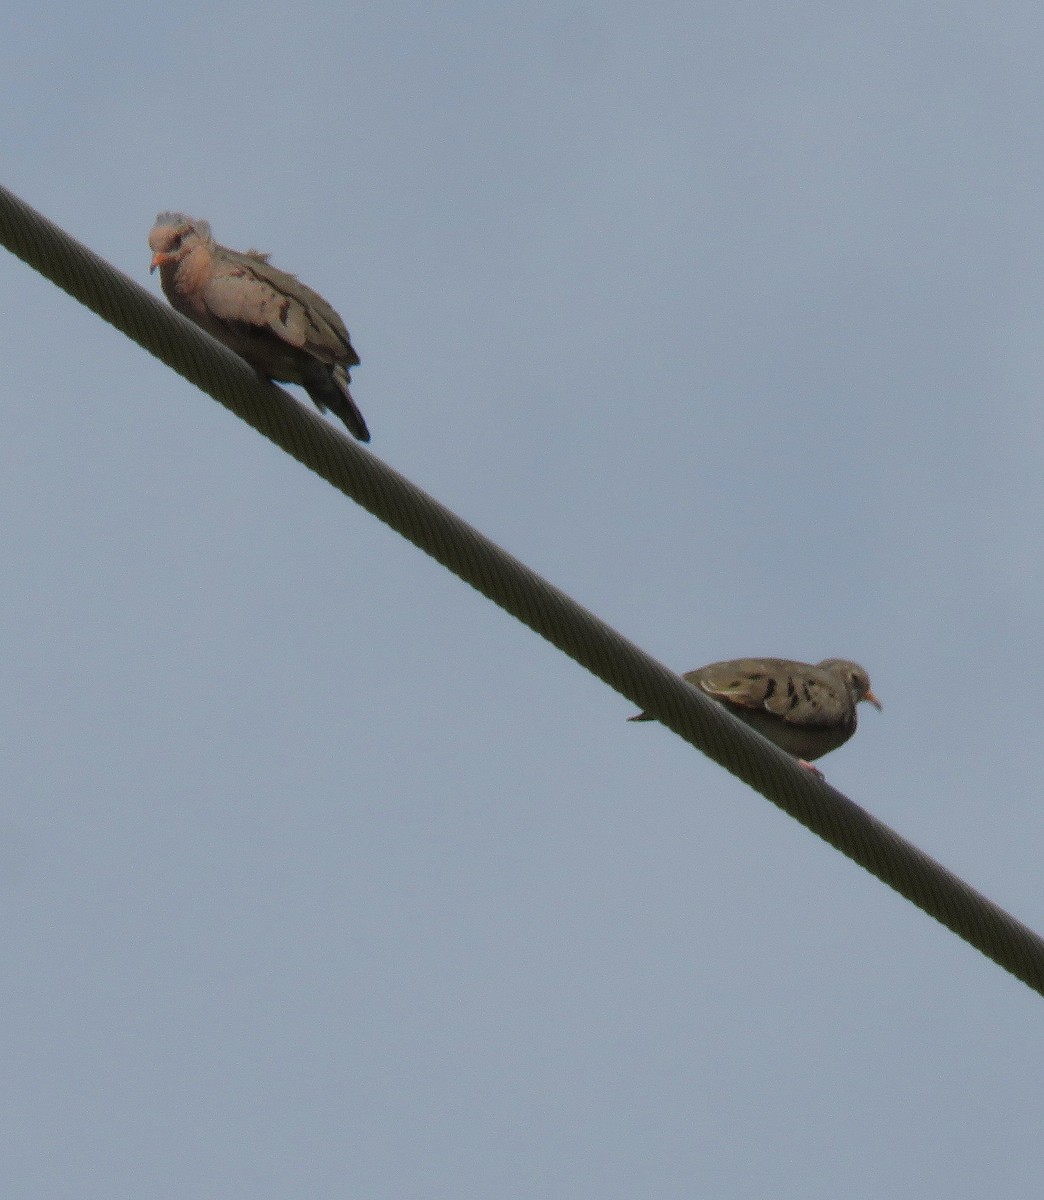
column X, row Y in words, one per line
column 322, row 876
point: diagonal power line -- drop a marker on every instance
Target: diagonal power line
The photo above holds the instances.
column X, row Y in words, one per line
column 509, row 583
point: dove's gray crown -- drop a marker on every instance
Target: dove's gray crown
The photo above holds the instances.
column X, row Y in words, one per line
column 176, row 220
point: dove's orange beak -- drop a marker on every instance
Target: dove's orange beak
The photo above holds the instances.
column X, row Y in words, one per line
column 870, row 698
column 158, row 259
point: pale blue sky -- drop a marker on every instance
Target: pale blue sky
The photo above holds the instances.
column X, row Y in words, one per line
column 320, row 875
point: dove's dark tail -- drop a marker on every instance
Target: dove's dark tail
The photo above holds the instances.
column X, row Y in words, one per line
column 346, row 408
column 642, row 717
column 331, row 392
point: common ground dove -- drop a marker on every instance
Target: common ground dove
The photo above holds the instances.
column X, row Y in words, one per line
column 805, row 710
column 283, row 329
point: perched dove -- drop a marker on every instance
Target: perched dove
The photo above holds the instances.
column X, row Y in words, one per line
column 805, row 710
column 283, row 329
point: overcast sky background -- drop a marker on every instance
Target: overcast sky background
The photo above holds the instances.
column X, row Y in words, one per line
column 321, row 876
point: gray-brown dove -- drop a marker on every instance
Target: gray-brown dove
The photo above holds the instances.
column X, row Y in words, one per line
column 805, row 710
column 283, row 329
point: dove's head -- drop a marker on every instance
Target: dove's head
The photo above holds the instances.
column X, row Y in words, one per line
column 855, row 677
column 174, row 235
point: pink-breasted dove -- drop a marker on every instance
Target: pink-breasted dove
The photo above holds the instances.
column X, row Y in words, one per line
column 283, row 329
column 805, row 710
